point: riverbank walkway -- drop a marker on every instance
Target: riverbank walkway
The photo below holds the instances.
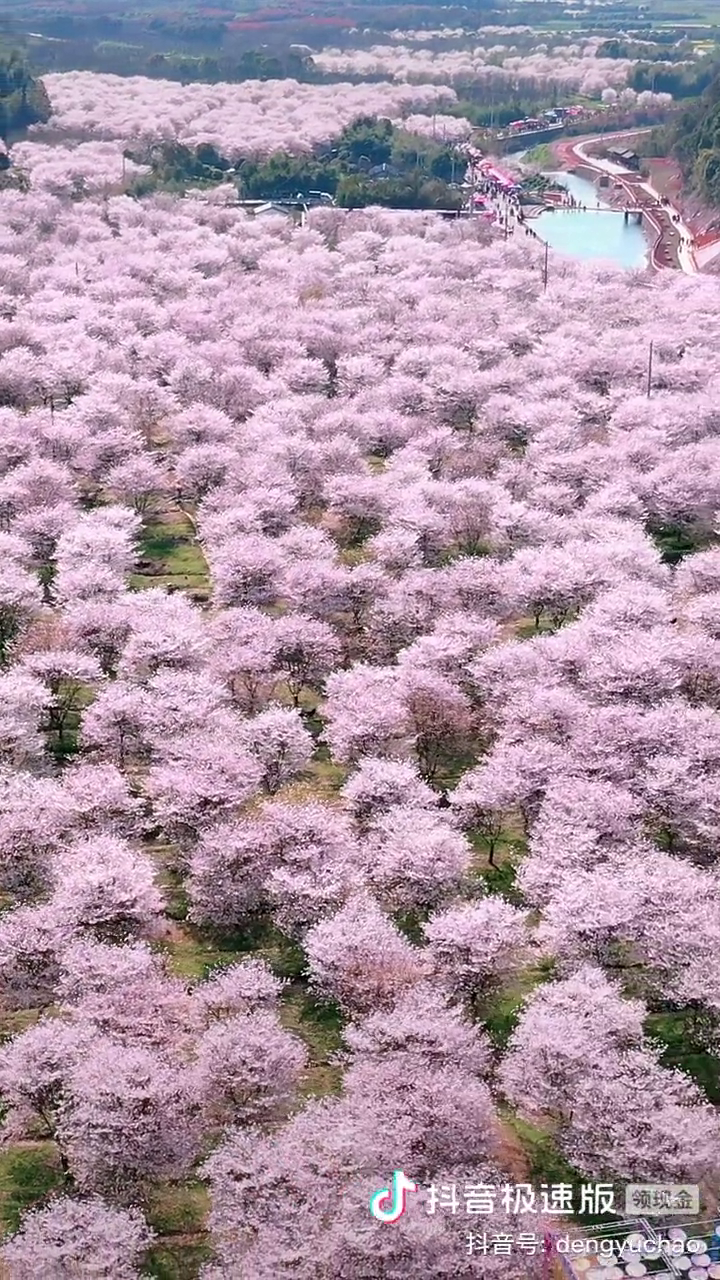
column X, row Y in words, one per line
column 673, row 239
column 674, row 242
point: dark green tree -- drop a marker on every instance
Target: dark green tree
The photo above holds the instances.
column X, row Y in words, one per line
column 366, row 137
column 23, row 100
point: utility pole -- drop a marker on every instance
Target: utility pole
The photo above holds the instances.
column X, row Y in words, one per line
column 649, row 370
column 545, row 265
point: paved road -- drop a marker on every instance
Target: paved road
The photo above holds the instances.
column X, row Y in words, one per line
column 674, row 244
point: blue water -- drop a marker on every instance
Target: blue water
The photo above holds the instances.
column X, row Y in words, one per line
column 603, row 235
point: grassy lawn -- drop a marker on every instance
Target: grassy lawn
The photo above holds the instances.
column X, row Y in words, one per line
column 170, row 556
column 507, row 850
column 323, row 783
column 320, row 1026
column 178, row 1210
column 28, row 1174
column 501, row 1012
column 177, row 1214
column 13, row 1021
column 541, row 155
column 180, row 1260
column 192, row 954
column 682, row 1048
column 547, row 1166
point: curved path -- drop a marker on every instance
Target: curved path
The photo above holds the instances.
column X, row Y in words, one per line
column 674, row 239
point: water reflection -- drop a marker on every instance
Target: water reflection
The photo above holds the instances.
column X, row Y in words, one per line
column 597, row 235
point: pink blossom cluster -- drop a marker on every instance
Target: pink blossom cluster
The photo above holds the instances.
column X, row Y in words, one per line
column 251, row 118
column 628, row 98
column 572, row 69
column 438, row 125
column 420, row 733
column 88, row 167
column 427, row 34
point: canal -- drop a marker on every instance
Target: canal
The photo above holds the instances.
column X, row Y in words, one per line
column 595, row 235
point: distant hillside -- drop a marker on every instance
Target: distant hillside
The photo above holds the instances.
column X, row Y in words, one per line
column 23, row 100
column 695, row 141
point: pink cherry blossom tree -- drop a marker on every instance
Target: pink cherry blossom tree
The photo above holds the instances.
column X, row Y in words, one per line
column 76, row 1237
column 306, row 651
column 20, row 602
column 477, row 945
column 359, row 958
column 247, row 1067
column 106, row 887
column 416, row 858
column 378, row 785
column 280, row 743
column 128, row 1117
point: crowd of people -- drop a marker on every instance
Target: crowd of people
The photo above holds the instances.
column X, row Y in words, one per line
column 499, row 199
